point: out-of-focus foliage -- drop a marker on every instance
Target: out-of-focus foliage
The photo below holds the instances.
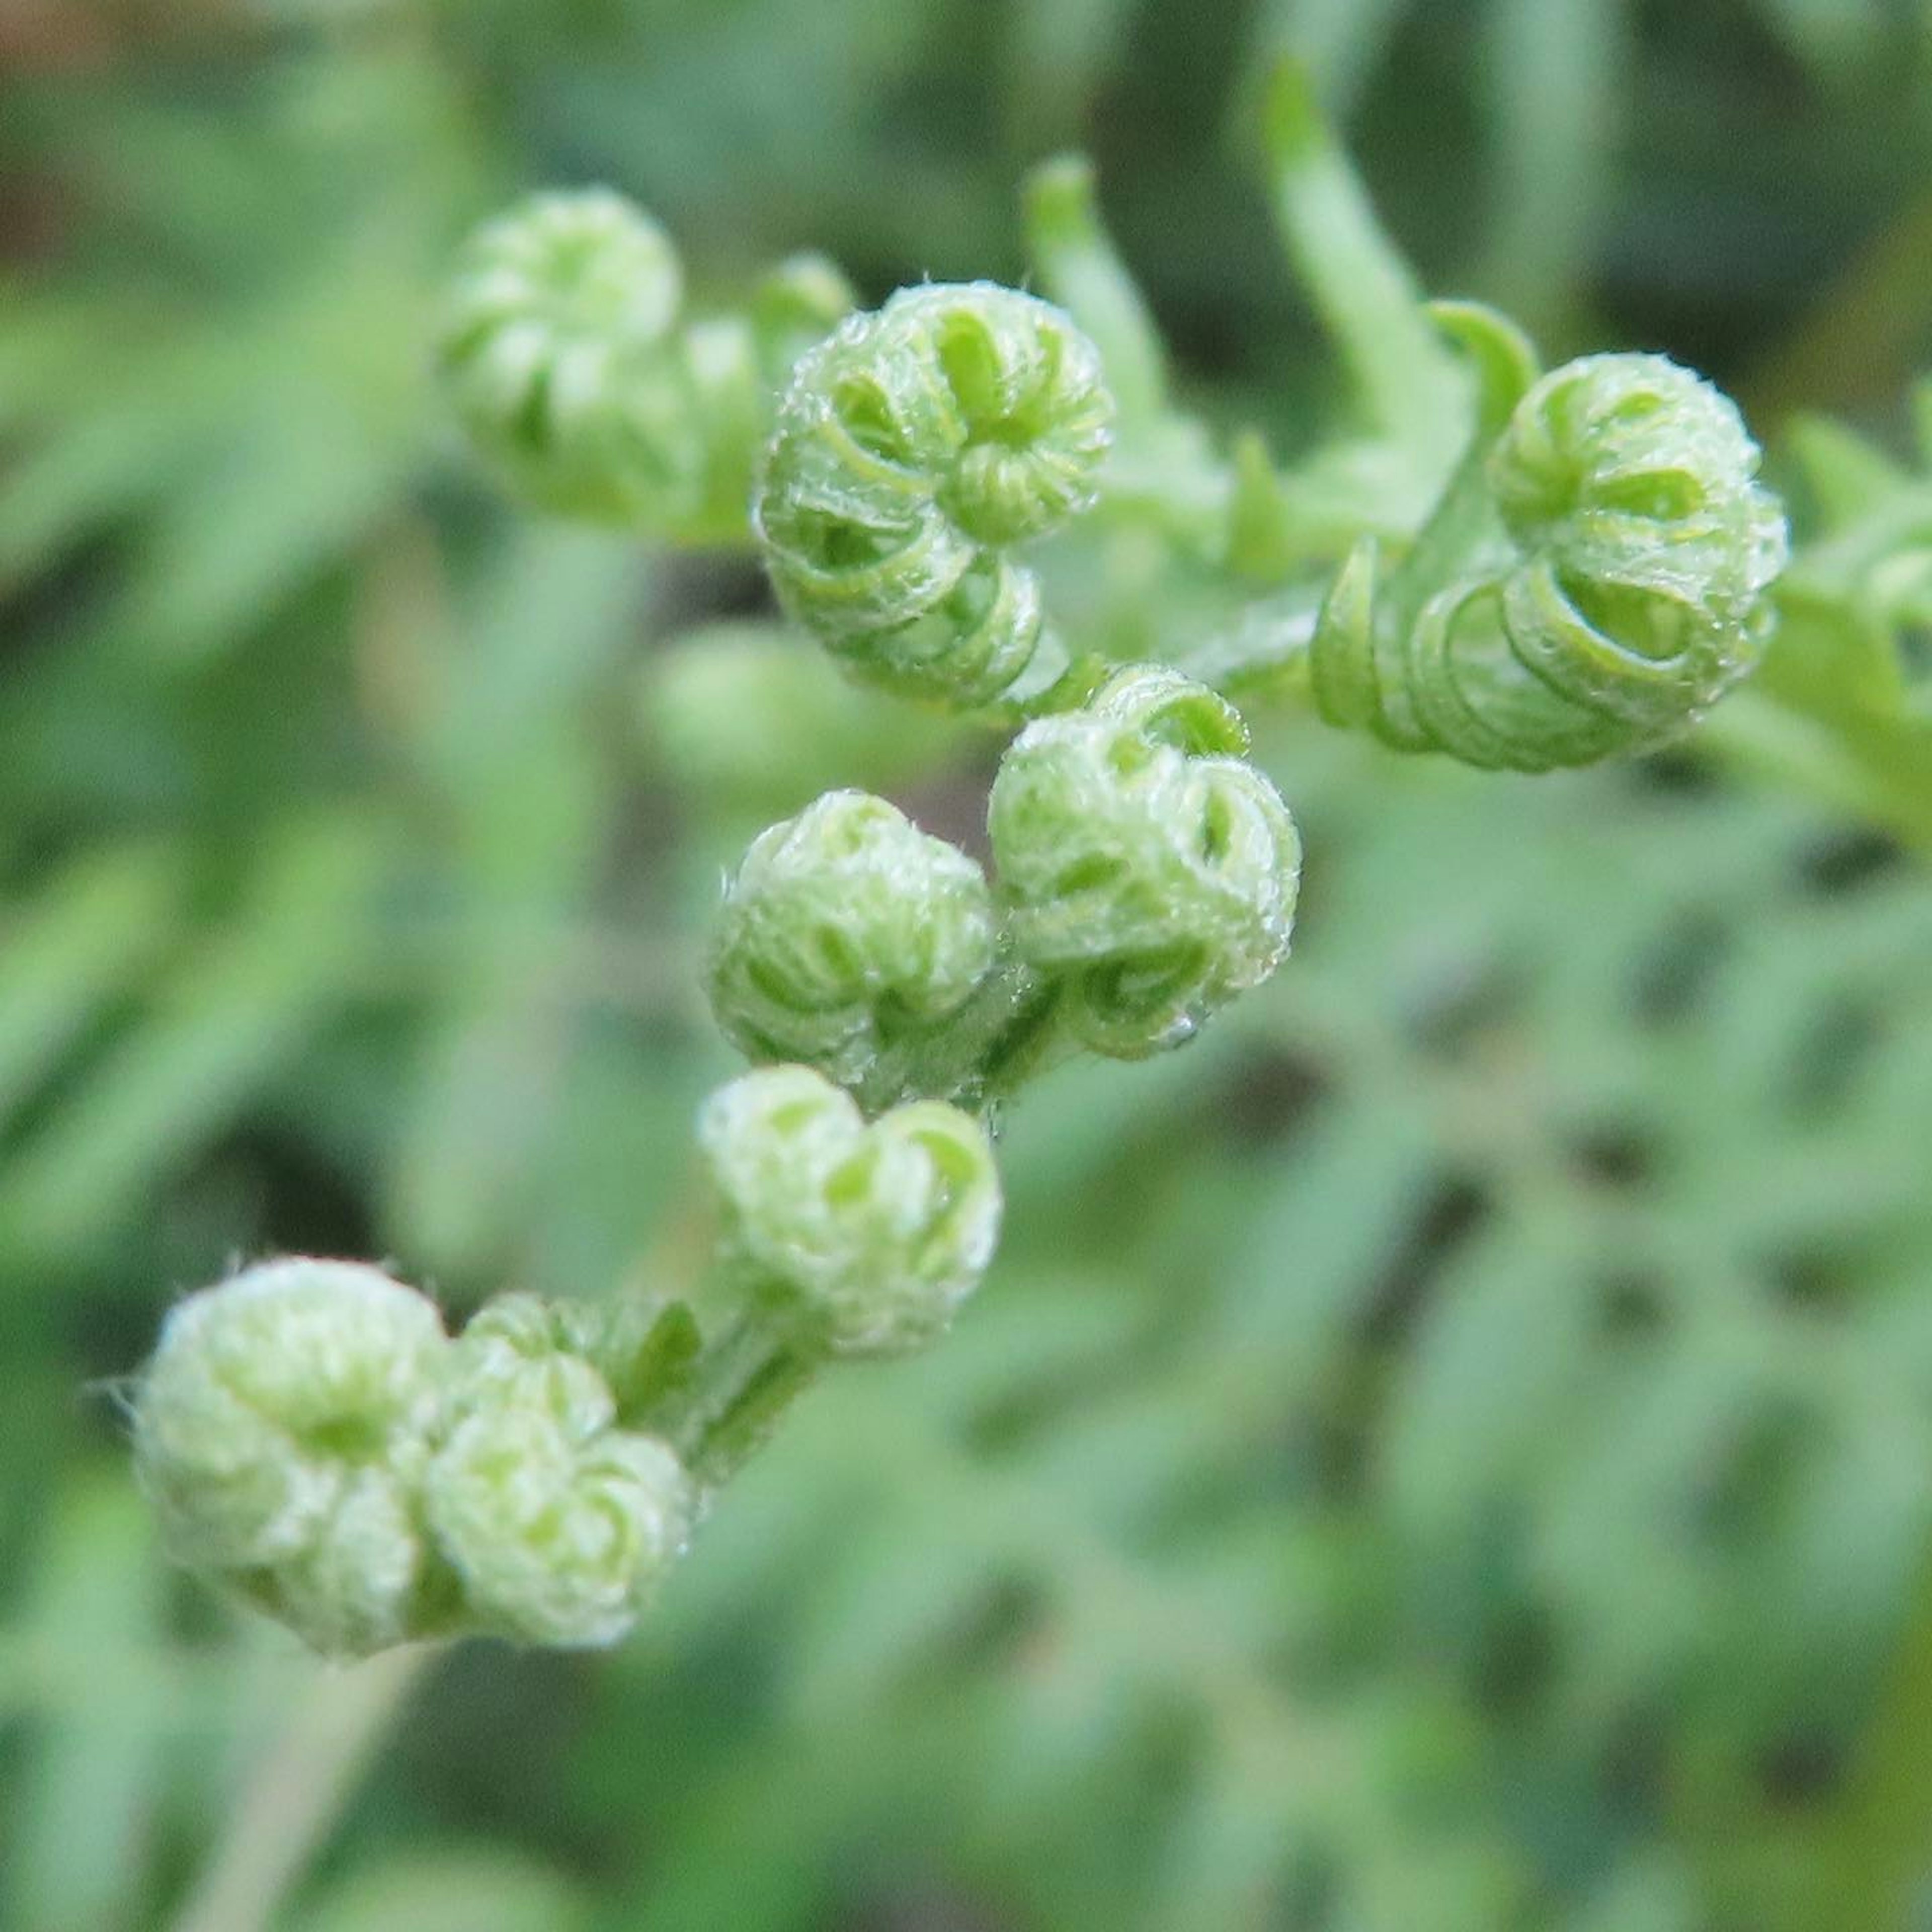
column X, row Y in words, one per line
column 1452, row 1450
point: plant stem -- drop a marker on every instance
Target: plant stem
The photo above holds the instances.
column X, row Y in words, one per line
column 738, row 1388
column 294, row 1796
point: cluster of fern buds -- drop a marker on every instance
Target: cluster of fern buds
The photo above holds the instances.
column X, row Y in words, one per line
column 313, row 1440
column 1592, row 579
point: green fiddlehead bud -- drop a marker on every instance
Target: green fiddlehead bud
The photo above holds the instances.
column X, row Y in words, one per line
column 915, row 449
column 280, row 1430
column 557, row 1522
column 870, row 1237
column 1593, row 583
column 562, row 351
column 846, row 931
column 556, row 349
column 1142, row 861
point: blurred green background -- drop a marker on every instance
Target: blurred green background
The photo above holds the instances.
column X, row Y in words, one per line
column 1451, row 1452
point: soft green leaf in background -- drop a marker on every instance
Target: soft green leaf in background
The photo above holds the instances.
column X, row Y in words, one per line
column 1447, row 1452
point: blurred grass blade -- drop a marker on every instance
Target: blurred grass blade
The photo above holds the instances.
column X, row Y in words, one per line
column 532, row 803
column 78, row 1817
column 1080, row 268
column 480, row 1888
column 1338, row 42
column 1552, row 70
column 228, row 1011
column 88, row 936
column 1059, row 54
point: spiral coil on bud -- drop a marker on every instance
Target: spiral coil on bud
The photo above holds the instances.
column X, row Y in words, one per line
column 872, row 1234
column 1143, row 861
column 558, row 1521
column 916, row 447
column 1616, row 593
column 561, row 350
column 846, row 930
column 556, row 348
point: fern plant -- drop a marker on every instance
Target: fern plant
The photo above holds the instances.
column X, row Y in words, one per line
column 1584, row 562
column 1444, row 1449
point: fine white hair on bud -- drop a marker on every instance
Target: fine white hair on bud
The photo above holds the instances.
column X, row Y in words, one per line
column 917, row 447
column 1613, row 592
column 279, row 1430
column 1143, row 861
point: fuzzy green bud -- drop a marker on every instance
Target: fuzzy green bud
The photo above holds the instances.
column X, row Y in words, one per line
column 916, row 449
column 559, row 1522
column 279, row 1431
column 871, row 1235
column 1143, row 861
column 556, row 349
column 1621, row 596
column 1630, row 486
column 847, row 930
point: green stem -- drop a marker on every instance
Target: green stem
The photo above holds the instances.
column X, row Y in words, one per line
column 1264, row 650
column 735, row 1393
column 1004, row 1036
column 1366, row 292
column 295, row 1795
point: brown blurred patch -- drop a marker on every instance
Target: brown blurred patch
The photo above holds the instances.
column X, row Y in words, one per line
column 51, row 36
column 43, row 37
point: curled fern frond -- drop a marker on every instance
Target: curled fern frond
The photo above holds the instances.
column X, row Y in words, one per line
column 1594, row 582
column 280, row 1432
column 312, row 1440
column 556, row 349
column 562, row 349
column 1143, row 861
column 558, row 1523
column 917, row 447
column 871, row 1235
column 847, row 929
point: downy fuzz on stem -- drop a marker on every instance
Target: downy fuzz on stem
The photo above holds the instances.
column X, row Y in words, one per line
column 847, row 932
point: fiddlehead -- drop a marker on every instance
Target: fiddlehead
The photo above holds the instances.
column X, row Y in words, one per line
column 312, row 1439
column 1143, row 863
column 916, row 449
column 557, row 1521
column 1592, row 583
column 847, row 930
column 562, row 351
column 280, row 1432
column 553, row 350
column 870, row 1236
